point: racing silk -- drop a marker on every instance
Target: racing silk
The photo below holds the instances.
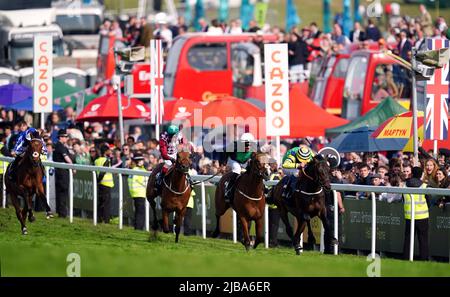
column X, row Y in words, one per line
column 22, row 142
column 239, row 156
column 290, row 159
column 168, row 146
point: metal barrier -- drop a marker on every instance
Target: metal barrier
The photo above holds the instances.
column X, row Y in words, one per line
column 203, row 178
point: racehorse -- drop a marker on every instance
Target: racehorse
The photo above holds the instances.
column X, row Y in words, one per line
column 176, row 191
column 29, row 182
column 249, row 199
column 308, row 200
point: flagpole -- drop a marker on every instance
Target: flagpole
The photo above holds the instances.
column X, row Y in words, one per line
column 414, row 106
column 119, row 106
column 435, row 149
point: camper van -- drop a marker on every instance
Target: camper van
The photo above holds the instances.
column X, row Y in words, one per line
column 17, row 31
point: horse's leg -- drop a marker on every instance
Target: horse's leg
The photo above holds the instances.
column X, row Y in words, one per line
column 16, row 203
column 165, row 221
column 300, row 228
column 29, row 201
column 329, row 239
column 41, row 195
column 246, row 239
column 311, row 238
column 155, row 218
column 285, row 219
column 179, row 219
column 259, row 226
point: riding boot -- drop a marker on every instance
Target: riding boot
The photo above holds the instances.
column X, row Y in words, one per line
column 159, row 181
column 229, row 188
column 13, row 168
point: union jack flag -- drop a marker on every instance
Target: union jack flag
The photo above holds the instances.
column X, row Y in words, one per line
column 156, row 81
column 437, row 96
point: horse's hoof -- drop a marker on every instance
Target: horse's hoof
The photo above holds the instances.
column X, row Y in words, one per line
column 31, row 219
column 298, row 250
column 247, row 247
column 24, row 231
column 49, row 215
column 215, row 234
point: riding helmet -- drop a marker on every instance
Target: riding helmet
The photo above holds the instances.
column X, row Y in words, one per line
column 173, row 129
column 304, row 153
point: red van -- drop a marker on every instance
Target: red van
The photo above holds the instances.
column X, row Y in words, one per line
column 373, row 76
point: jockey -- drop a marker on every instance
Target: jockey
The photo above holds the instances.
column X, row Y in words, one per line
column 25, row 135
column 238, row 157
column 168, row 146
column 295, row 159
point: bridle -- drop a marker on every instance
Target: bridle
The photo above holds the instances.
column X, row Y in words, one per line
column 30, row 153
column 178, row 167
column 258, row 174
column 312, row 179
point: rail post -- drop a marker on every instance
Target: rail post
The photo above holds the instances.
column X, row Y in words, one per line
column 94, row 191
column 4, row 187
column 203, row 210
column 120, row 201
column 266, row 226
column 411, row 230
column 336, row 213
column 71, row 195
column 374, row 223
column 234, row 226
column 47, row 184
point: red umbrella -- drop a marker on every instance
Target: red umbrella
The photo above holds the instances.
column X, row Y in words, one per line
column 180, row 109
column 105, row 108
column 227, row 110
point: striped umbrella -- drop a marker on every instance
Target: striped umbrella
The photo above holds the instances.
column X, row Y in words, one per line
column 401, row 127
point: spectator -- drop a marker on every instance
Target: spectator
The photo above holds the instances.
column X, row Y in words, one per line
column 394, row 181
column 338, row 37
column 444, row 183
column 253, row 27
column 81, row 157
column 372, row 31
column 203, row 25
column 357, row 34
column 420, row 215
column 215, row 28
column 404, row 46
column 62, row 155
column 298, row 53
column 138, row 186
column 429, row 176
column 425, row 21
column 406, row 173
column 105, row 183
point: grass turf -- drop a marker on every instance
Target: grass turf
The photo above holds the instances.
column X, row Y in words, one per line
column 107, row 251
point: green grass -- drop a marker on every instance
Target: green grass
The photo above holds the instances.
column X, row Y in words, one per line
column 107, row 251
column 308, row 10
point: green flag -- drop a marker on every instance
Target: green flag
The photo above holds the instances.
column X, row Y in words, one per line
column 260, row 13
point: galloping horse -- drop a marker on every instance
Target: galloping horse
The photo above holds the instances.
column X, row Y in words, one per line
column 249, row 199
column 29, row 182
column 175, row 195
column 308, row 200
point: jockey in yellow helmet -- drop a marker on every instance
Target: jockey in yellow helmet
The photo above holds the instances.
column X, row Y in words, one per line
column 295, row 159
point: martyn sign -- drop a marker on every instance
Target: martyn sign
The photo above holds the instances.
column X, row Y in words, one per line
column 277, row 89
column 43, row 67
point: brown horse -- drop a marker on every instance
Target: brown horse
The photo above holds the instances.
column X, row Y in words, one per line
column 308, row 200
column 29, row 182
column 249, row 199
column 175, row 194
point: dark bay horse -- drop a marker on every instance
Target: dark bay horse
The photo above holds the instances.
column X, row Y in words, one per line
column 249, row 199
column 308, row 200
column 175, row 194
column 29, row 182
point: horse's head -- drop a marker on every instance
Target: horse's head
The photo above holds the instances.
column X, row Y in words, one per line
column 259, row 165
column 184, row 161
column 35, row 149
column 318, row 170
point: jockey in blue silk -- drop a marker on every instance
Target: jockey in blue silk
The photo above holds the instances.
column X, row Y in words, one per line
column 26, row 134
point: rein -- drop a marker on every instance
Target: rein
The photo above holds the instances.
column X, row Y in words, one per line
column 169, row 187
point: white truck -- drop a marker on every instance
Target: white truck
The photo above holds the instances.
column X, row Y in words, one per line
column 17, row 30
